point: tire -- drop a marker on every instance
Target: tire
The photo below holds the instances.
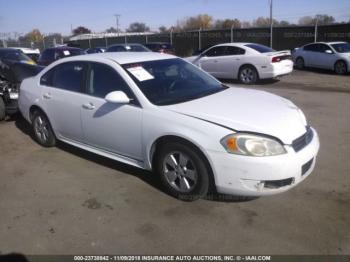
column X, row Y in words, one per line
column 300, row 63
column 340, row 68
column 2, row 109
column 42, row 130
column 183, row 172
column 248, row 75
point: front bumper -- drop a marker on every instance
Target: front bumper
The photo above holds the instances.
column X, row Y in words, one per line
column 259, row 176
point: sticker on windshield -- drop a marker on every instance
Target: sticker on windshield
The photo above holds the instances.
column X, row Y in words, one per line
column 140, row 73
column 66, row 52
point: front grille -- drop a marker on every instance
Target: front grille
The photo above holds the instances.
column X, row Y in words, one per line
column 306, row 166
column 273, row 184
column 301, row 142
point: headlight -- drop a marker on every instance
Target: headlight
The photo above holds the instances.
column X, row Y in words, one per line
column 252, row 145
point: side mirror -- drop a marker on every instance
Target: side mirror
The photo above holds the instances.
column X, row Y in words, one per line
column 117, row 97
column 329, row 51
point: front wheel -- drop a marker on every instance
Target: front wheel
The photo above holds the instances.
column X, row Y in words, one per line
column 42, row 130
column 183, row 171
column 248, row 75
column 340, row 68
column 299, row 63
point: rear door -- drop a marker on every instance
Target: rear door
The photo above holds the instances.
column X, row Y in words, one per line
column 62, row 96
column 229, row 63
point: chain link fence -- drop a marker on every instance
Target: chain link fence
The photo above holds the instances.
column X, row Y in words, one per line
column 185, row 43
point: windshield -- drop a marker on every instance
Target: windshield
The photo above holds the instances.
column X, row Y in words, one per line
column 260, row 48
column 172, row 81
column 342, row 47
column 17, row 56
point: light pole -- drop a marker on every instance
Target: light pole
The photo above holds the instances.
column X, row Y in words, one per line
column 117, row 16
column 316, row 28
column 271, row 22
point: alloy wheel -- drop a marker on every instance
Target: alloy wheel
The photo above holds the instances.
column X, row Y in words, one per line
column 41, row 129
column 248, row 75
column 180, row 172
column 340, row 68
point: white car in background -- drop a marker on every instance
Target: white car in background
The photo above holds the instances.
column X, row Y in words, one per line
column 159, row 112
column 247, row 62
column 334, row 56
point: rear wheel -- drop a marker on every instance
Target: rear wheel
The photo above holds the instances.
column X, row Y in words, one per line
column 300, row 63
column 340, row 68
column 42, row 130
column 2, row 109
column 182, row 171
column 248, row 75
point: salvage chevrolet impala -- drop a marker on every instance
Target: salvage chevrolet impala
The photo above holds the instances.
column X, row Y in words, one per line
column 161, row 113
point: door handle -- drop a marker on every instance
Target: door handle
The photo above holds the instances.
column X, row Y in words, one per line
column 47, row 96
column 238, row 59
column 89, row 106
column 215, row 61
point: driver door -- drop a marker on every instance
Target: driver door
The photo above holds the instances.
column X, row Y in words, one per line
column 112, row 127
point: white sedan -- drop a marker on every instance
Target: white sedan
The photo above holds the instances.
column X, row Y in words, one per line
column 334, row 56
column 247, row 62
column 161, row 113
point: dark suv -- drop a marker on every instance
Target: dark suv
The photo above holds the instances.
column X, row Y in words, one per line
column 50, row 55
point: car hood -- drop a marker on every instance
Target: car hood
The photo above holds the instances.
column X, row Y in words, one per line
column 248, row 110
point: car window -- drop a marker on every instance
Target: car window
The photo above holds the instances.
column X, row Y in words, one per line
column 342, row 47
column 260, row 48
column 117, row 48
column 215, row 51
column 16, row 56
column 103, row 79
column 312, row 48
column 323, row 48
column 69, row 76
column 137, row 48
column 46, row 79
column 233, row 50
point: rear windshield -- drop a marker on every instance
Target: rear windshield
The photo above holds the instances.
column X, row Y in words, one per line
column 260, row 48
column 342, row 47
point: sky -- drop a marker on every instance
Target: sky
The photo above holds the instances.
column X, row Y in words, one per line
column 51, row 16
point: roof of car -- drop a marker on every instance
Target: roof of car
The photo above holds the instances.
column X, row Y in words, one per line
column 63, row 48
column 127, row 44
column 121, row 57
column 329, row 43
column 235, row 44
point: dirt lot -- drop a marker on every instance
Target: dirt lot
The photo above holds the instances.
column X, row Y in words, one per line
column 66, row 201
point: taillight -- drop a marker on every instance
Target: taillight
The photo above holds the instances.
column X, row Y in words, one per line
column 276, row 59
